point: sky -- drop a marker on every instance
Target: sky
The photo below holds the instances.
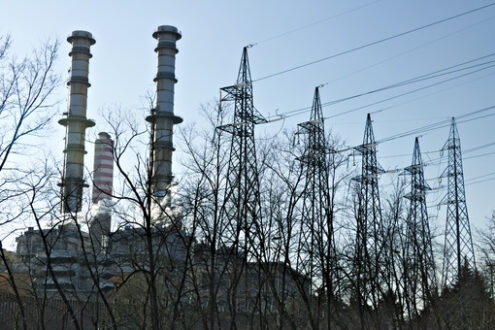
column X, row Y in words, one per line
column 287, row 34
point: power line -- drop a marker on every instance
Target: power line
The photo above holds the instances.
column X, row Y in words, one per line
column 409, row 155
column 399, row 95
column 423, row 77
column 441, row 160
column 439, row 124
column 480, row 155
column 448, row 35
column 424, row 96
column 480, row 181
column 374, row 42
column 480, row 177
column 417, row 79
column 283, row 34
column 480, row 147
column 434, row 126
column 430, row 94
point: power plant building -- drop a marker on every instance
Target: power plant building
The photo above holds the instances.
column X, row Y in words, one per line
column 103, row 247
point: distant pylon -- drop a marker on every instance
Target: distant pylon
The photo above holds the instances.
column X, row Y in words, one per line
column 369, row 230
column 419, row 271
column 458, row 247
column 242, row 204
column 316, row 250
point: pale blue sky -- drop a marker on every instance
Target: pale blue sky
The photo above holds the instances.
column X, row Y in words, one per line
column 214, row 32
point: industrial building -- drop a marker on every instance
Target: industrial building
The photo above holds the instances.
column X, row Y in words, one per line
column 66, row 257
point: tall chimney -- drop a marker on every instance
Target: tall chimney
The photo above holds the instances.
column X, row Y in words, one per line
column 103, row 168
column 162, row 116
column 76, row 122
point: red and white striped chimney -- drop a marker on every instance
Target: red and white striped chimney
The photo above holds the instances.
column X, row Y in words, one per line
column 103, row 168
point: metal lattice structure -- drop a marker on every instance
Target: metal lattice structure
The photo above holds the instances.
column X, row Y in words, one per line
column 369, row 230
column 420, row 281
column 315, row 251
column 242, row 200
column 458, row 247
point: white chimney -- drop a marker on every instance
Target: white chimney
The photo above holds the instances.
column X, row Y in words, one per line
column 162, row 117
column 76, row 122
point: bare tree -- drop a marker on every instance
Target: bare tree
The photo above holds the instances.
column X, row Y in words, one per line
column 26, row 88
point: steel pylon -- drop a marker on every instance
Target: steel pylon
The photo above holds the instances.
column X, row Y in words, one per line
column 316, row 250
column 242, row 198
column 420, row 281
column 369, row 226
column 458, row 247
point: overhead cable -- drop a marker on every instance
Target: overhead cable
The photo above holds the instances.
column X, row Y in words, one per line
column 283, row 34
column 410, row 50
column 375, row 42
column 435, row 126
column 440, row 124
column 432, row 75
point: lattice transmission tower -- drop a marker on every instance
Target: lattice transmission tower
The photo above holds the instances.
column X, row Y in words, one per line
column 458, row 246
column 242, row 198
column 419, row 273
column 369, row 230
column 316, row 249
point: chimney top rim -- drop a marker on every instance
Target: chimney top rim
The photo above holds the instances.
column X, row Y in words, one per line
column 104, row 135
column 81, row 34
column 167, row 29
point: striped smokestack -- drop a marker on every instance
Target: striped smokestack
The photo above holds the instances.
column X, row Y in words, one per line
column 162, row 116
column 76, row 122
column 103, row 168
